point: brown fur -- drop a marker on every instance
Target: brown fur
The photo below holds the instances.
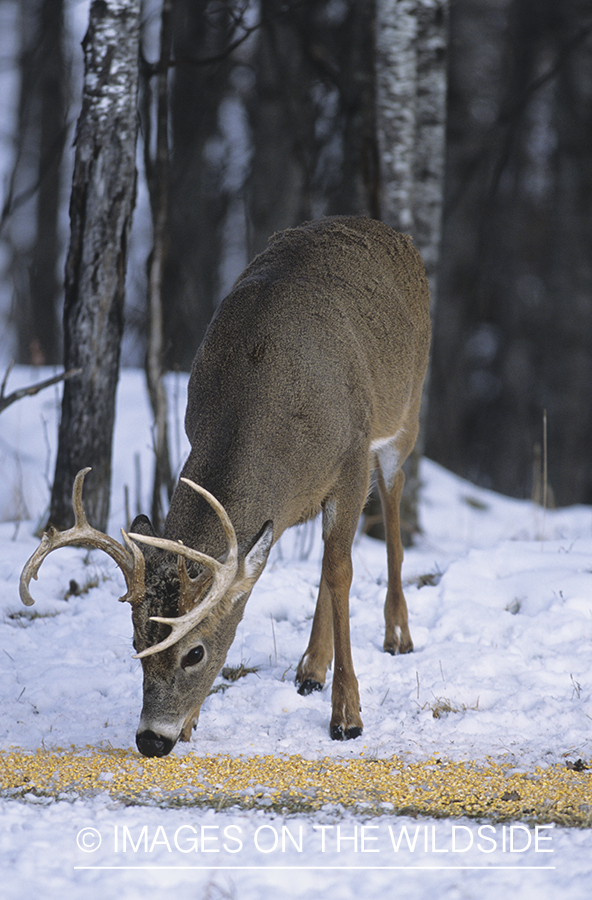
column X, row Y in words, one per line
column 319, row 351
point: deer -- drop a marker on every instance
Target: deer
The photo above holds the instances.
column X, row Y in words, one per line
column 308, row 380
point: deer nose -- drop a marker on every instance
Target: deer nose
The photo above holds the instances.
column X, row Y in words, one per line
column 151, row 744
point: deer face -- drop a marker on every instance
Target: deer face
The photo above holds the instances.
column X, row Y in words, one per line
column 178, row 680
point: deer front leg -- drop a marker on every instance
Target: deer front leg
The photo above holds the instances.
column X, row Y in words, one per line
column 346, row 722
column 397, row 638
column 312, row 668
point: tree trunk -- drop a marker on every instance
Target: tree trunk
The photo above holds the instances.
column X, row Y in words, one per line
column 34, row 191
column 157, row 172
column 411, row 43
column 198, row 195
column 103, row 194
column 280, row 115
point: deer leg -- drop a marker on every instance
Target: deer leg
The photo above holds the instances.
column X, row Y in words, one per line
column 330, row 627
column 397, row 638
column 312, row 668
column 346, row 722
column 340, row 520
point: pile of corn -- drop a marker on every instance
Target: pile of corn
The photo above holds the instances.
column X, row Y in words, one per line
column 292, row 784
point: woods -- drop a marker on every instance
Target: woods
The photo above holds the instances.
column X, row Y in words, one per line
column 465, row 124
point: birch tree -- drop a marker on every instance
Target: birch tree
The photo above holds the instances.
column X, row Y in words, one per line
column 102, row 200
column 411, row 44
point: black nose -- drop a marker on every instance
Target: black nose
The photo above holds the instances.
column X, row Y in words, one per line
column 150, row 744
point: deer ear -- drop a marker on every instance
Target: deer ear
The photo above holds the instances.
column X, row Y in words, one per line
column 142, row 525
column 256, row 557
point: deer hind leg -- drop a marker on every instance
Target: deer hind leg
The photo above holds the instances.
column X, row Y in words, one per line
column 397, row 638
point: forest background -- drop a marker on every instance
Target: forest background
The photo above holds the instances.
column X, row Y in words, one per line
column 272, row 120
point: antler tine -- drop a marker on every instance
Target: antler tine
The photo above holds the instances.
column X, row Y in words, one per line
column 131, row 561
column 222, row 515
column 80, row 519
column 180, row 549
column 135, row 591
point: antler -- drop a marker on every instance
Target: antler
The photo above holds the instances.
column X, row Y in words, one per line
column 130, row 560
column 224, row 574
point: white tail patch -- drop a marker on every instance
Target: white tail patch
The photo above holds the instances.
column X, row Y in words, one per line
column 388, row 456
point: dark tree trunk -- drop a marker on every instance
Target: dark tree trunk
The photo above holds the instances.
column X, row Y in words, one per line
column 357, row 192
column 198, row 198
column 36, row 182
column 281, row 117
column 157, row 172
column 312, row 116
column 103, row 194
column 567, row 362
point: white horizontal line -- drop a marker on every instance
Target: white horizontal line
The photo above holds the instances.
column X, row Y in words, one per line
column 516, row 868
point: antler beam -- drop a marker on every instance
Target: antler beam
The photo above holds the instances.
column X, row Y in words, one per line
column 130, row 558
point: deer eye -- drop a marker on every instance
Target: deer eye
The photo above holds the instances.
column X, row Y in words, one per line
column 195, row 655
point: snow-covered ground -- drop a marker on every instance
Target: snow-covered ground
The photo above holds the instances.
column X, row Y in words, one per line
column 502, row 627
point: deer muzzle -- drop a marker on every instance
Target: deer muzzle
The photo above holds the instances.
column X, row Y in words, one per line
column 151, row 744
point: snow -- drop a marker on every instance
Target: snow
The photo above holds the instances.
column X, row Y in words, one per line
column 500, row 602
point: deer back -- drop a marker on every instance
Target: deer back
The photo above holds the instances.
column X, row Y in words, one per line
column 320, row 347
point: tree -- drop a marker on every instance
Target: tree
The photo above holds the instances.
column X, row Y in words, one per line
column 311, row 116
column 103, row 194
column 157, row 176
column 278, row 188
column 411, row 44
column 198, row 198
column 32, row 207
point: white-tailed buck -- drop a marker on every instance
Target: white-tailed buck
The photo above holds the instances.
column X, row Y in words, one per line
column 309, row 377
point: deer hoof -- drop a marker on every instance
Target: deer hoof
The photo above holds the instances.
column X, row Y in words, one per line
column 338, row 734
column 396, row 646
column 308, row 686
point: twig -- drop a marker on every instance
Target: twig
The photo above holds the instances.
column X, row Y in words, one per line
column 32, row 389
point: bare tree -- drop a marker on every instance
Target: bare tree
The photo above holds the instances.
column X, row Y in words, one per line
column 157, row 173
column 411, row 52
column 103, row 194
column 32, row 207
column 198, row 196
column 411, row 40
column 281, row 120
column 311, row 114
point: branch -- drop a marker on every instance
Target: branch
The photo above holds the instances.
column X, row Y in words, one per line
column 153, row 69
column 32, row 389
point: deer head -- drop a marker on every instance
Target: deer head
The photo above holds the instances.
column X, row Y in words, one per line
column 186, row 607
